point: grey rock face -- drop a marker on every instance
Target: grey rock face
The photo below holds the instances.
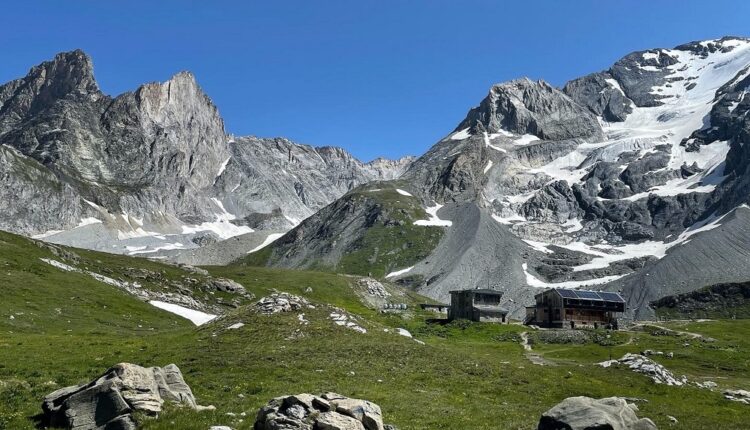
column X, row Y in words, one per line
column 526, row 107
column 601, row 94
column 157, row 156
column 109, row 401
column 329, row 411
column 585, row 413
column 290, row 181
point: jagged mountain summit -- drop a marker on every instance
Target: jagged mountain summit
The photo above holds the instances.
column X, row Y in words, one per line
column 632, row 179
column 153, row 168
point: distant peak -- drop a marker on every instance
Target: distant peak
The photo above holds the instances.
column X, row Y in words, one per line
column 67, row 72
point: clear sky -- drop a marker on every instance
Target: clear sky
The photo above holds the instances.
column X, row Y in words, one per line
column 377, row 77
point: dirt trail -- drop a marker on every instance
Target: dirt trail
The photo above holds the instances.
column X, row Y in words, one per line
column 533, row 357
column 684, row 333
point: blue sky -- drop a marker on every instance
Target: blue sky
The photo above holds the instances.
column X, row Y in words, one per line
column 379, row 78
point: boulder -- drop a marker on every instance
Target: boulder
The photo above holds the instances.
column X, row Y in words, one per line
column 329, row 411
column 109, row 401
column 585, row 413
column 281, row 302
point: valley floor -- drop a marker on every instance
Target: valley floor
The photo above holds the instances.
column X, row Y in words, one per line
column 65, row 331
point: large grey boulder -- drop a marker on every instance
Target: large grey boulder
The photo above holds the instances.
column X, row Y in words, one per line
column 109, row 401
column 585, row 413
column 329, row 411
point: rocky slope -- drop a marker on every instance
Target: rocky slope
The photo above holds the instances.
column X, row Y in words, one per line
column 627, row 178
column 152, row 168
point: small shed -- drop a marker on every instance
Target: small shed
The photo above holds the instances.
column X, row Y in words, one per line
column 567, row 308
column 477, row 305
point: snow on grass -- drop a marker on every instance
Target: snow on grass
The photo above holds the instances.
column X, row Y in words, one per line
column 461, row 135
column 399, row 272
column 403, row 332
column 404, row 193
column 59, row 265
column 434, row 219
column 267, row 241
column 533, row 281
column 488, row 166
column 235, row 326
column 196, row 317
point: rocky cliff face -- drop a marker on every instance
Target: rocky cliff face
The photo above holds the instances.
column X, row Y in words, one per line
column 153, row 166
column 615, row 181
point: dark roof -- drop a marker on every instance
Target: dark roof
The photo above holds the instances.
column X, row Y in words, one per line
column 605, row 296
column 479, row 290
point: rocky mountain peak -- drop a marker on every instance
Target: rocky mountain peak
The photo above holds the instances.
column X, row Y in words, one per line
column 69, row 74
column 524, row 106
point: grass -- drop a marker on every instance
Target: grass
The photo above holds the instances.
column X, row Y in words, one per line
column 467, row 375
column 389, row 243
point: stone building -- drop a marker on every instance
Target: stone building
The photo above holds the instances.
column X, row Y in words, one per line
column 565, row 308
column 477, row 305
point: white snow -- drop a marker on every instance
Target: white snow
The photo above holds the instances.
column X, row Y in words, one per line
column 489, row 144
column 146, row 250
column 222, row 227
column 399, row 272
column 196, row 317
column 461, row 135
column 267, row 241
column 488, row 166
column 509, row 219
column 403, row 193
column 235, row 326
column 434, row 219
column 60, row 265
column 572, row 225
column 403, row 332
column 223, row 167
column 88, row 221
column 525, row 139
column 533, row 281
column 538, row 246
column 47, row 233
column 637, row 250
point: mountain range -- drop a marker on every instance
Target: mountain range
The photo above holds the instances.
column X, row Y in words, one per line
column 633, row 179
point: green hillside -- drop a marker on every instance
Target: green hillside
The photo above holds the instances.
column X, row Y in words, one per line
column 68, row 328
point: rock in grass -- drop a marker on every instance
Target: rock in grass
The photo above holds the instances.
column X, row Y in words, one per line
column 109, row 401
column 329, row 411
column 585, row 413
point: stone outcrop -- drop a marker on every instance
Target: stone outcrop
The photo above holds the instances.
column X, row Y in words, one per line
column 642, row 364
column 329, row 411
column 109, row 401
column 742, row 396
column 585, row 413
column 281, row 302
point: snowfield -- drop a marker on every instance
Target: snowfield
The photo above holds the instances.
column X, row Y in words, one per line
column 196, row 317
column 434, row 220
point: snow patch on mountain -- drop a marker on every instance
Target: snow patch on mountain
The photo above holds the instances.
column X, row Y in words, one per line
column 434, row 219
